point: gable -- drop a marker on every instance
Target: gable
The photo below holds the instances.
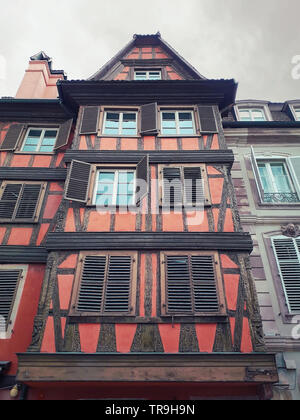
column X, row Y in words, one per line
column 147, row 52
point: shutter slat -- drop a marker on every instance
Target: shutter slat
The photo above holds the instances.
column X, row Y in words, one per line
column 179, row 298
column 63, row 134
column 8, row 285
column 149, row 118
column 89, row 124
column 92, row 279
column 172, row 193
column 12, row 137
column 207, row 119
column 204, row 284
column 118, row 284
column 77, row 183
column 288, row 261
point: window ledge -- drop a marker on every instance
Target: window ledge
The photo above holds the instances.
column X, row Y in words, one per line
column 132, row 319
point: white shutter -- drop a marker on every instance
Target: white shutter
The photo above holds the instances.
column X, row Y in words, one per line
column 287, row 252
column 256, row 175
column 295, row 164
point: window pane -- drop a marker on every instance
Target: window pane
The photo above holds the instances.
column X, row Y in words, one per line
column 112, row 123
column 297, row 112
column 104, row 200
column 46, row 149
column 126, row 177
column 32, row 140
column 280, row 177
column 106, row 177
column 258, row 115
column 266, row 182
column 129, row 124
column 154, row 75
column 35, row 133
column 29, row 148
column 140, row 75
column 125, row 200
column 50, row 133
column 244, row 115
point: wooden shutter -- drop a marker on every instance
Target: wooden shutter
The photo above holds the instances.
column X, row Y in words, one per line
column 287, row 252
column 172, row 195
column 12, row 137
column 117, row 293
column 257, row 175
column 77, row 183
column 92, row 284
column 295, row 163
column 178, row 285
column 193, row 191
column 19, row 202
column 207, row 119
column 142, row 173
column 9, row 200
column 149, row 118
column 191, row 285
column 106, row 285
column 63, row 134
column 9, row 280
column 89, row 123
column 29, row 199
column 204, row 284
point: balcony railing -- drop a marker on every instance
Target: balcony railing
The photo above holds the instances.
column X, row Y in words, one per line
column 281, row 198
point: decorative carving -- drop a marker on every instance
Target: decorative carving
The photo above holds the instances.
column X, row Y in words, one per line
column 290, row 230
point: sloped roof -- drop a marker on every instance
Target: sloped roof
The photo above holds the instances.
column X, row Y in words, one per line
column 143, row 40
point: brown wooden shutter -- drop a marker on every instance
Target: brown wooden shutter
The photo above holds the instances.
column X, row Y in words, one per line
column 142, row 173
column 77, row 183
column 12, row 137
column 63, row 134
column 178, row 285
column 172, row 186
column 204, row 284
column 193, row 190
column 89, row 123
column 149, row 118
column 117, row 293
column 9, row 280
column 90, row 295
column 9, row 200
column 257, row 175
column 28, row 201
column 207, row 119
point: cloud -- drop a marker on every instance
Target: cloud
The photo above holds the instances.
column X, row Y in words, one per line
column 251, row 41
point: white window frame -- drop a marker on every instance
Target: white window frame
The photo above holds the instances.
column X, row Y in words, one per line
column 147, row 74
column 268, row 163
column 295, row 109
column 115, row 187
column 279, row 269
column 41, row 138
column 18, row 295
column 251, row 106
column 120, row 123
column 177, row 111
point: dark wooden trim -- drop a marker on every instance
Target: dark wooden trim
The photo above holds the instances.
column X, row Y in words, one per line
column 33, row 174
column 22, row 254
column 168, row 319
column 145, row 64
column 235, row 241
column 202, row 156
column 184, row 367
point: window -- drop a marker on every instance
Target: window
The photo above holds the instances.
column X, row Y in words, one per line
column 287, row 253
column 105, row 284
column 107, row 184
column 21, row 202
column 11, row 287
column 297, row 114
column 277, row 179
column 147, row 75
column 184, row 184
column 114, row 187
column 191, row 284
column 252, row 114
column 40, row 140
column 120, row 123
column 177, row 122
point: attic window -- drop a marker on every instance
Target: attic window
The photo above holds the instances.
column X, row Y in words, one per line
column 147, row 75
column 252, row 114
column 297, row 113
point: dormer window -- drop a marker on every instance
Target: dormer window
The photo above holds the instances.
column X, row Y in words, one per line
column 251, row 114
column 147, row 75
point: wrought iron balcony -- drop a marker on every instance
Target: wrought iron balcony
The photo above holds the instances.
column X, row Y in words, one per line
column 282, row 197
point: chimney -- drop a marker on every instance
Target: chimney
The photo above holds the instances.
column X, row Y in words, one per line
column 39, row 81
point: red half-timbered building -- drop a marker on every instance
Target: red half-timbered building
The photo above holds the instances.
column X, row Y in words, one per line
column 119, row 291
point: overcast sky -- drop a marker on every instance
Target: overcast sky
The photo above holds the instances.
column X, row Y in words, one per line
column 252, row 41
